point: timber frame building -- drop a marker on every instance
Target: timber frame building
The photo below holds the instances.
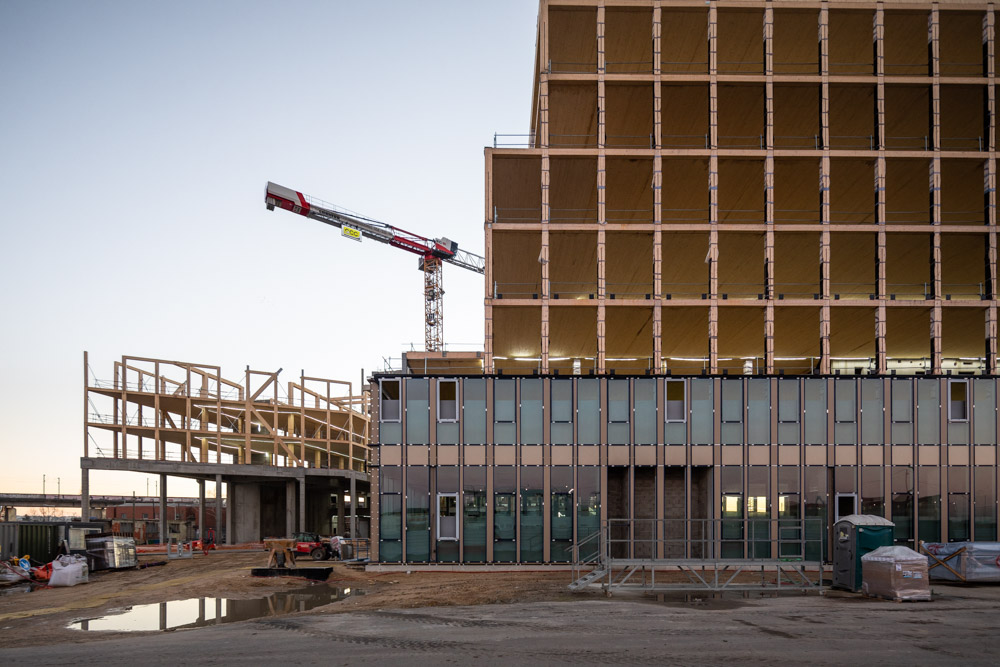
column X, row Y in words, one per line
column 294, row 457
column 744, row 266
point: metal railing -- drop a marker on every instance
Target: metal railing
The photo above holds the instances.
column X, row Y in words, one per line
column 714, row 554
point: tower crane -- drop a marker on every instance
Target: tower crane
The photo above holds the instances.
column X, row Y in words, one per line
column 432, row 252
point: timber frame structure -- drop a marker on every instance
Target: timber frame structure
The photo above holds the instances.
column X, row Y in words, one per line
column 185, row 419
column 750, row 187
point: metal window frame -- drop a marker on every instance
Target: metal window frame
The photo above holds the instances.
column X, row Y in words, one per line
column 572, row 401
column 440, row 382
column 666, row 401
column 399, row 392
column 458, row 516
column 968, row 395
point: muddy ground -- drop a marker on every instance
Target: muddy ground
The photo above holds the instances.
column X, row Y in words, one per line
column 41, row 616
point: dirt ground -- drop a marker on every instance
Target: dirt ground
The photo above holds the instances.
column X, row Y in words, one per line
column 41, row 616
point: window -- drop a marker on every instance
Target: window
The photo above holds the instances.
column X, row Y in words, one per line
column 418, row 409
column 447, row 519
column 618, row 409
column 676, row 402
column 389, row 405
column 447, row 401
column 474, row 411
column 958, row 400
column 645, row 411
column 531, row 411
column 588, row 410
column 474, row 508
column 561, row 412
column 732, row 412
column 504, row 428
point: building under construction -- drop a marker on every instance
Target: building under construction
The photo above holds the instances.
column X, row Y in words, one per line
column 742, row 270
column 293, row 455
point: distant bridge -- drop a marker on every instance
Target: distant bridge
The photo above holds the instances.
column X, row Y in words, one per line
column 73, row 500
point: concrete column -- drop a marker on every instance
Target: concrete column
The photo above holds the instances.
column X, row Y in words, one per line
column 85, row 495
column 289, row 508
column 164, row 534
column 201, row 513
column 354, row 508
column 340, row 507
column 218, row 508
column 302, row 503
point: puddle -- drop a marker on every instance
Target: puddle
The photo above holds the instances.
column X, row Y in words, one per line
column 199, row 612
column 730, row 600
column 16, row 588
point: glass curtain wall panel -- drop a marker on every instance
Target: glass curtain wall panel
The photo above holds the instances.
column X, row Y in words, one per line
column 732, row 412
column 702, row 412
column 390, row 427
column 588, row 411
column 645, row 411
column 902, row 505
column 390, row 518
column 759, row 411
column 984, row 407
column 959, row 504
column 759, row 511
column 561, row 411
column 531, row 411
column 872, row 496
column 504, row 514
column 732, row 511
column 845, row 412
column 958, row 412
column 790, row 535
column 814, row 412
column 561, row 514
column 418, row 411
column 418, row 526
column 474, row 411
column 504, row 412
column 618, row 412
column 815, row 496
column 872, row 413
column 588, row 509
column 474, row 508
column 929, row 503
column 676, row 417
column 447, row 514
column 928, row 412
column 532, row 514
column 788, row 412
column 901, row 412
column 985, row 478
column 447, row 412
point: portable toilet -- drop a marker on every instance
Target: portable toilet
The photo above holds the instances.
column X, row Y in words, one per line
column 854, row 536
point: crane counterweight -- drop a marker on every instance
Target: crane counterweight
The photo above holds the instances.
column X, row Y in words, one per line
column 432, row 252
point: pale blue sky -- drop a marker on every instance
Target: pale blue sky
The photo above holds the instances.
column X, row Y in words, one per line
column 136, row 139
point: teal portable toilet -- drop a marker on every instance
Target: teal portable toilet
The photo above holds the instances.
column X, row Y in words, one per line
column 853, row 537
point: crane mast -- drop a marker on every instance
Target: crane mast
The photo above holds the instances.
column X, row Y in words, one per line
column 433, row 252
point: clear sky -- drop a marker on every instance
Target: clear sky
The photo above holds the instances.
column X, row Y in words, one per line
column 136, row 139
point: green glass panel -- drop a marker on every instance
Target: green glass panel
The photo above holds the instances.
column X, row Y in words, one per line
column 474, row 411
column 645, row 411
column 532, row 514
column 417, row 411
column 984, row 408
column 531, row 411
column 986, row 509
column 589, row 411
column 928, row 412
column 561, row 514
column 902, row 504
column 418, row 545
column 814, row 413
column 759, row 411
column 872, row 416
column 702, row 412
column 588, row 508
column 474, row 510
column 929, row 503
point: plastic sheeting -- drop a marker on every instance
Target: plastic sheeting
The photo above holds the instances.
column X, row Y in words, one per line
column 980, row 562
column 895, row 573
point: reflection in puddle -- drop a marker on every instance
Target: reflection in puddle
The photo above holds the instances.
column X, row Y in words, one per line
column 198, row 612
column 713, row 600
